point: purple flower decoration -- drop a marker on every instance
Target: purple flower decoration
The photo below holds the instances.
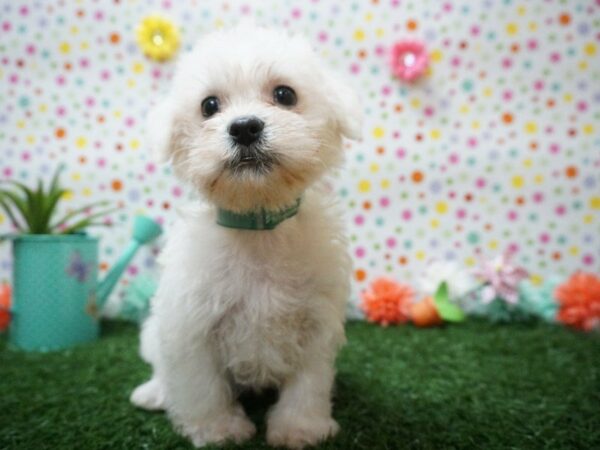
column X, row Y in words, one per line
column 78, row 268
column 501, row 278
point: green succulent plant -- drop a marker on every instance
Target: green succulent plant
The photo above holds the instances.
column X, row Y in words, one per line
column 34, row 211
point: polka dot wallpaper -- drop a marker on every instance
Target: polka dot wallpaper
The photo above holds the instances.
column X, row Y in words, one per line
column 497, row 146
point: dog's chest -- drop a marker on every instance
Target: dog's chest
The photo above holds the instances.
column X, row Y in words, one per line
column 265, row 322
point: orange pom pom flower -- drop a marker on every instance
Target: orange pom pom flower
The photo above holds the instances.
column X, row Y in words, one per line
column 579, row 301
column 5, row 294
column 387, row 302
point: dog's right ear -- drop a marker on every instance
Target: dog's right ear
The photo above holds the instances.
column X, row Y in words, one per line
column 159, row 129
column 345, row 106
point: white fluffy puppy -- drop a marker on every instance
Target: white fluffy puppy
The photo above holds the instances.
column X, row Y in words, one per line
column 254, row 283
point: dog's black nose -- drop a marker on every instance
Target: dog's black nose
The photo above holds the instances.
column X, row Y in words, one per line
column 246, row 130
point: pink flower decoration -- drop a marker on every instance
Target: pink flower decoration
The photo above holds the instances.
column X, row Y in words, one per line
column 501, row 278
column 409, row 60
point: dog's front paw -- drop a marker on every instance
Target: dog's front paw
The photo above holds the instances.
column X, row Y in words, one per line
column 300, row 432
column 234, row 427
column 149, row 395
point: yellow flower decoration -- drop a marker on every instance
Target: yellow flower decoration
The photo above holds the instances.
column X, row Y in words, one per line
column 157, row 37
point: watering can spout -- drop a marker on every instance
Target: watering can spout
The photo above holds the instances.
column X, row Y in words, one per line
column 144, row 231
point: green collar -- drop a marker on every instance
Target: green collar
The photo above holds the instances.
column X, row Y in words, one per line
column 257, row 220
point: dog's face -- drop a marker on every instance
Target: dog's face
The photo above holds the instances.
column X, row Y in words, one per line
column 253, row 118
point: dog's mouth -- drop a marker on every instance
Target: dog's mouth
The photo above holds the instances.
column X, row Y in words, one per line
column 252, row 158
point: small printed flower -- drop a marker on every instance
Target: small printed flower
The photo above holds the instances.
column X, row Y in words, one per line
column 387, row 302
column 501, row 278
column 579, row 301
column 157, row 37
column 459, row 281
column 78, row 268
column 409, row 59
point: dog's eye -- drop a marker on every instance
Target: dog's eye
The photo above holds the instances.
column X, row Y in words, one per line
column 284, row 95
column 210, row 106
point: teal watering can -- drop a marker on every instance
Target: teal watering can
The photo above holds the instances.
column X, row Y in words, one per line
column 56, row 295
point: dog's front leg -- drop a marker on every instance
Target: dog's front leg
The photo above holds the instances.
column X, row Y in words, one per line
column 302, row 416
column 200, row 401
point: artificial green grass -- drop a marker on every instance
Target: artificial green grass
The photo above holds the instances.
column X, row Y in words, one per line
column 474, row 385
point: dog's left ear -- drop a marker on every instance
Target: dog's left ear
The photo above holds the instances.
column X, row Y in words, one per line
column 346, row 107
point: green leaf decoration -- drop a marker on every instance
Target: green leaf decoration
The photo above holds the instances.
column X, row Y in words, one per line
column 88, row 221
column 37, row 210
column 77, row 211
column 50, row 209
column 33, row 211
column 446, row 309
column 20, row 204
column 7, row 209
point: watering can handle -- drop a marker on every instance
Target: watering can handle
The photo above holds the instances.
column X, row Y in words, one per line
column 106, row 286
column 144, row 231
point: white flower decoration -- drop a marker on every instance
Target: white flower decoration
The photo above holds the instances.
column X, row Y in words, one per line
column 459, row 281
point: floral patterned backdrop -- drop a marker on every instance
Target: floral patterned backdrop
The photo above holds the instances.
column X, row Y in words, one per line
column 497, row 146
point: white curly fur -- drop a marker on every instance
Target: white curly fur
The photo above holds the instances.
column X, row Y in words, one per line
column 239, row 309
